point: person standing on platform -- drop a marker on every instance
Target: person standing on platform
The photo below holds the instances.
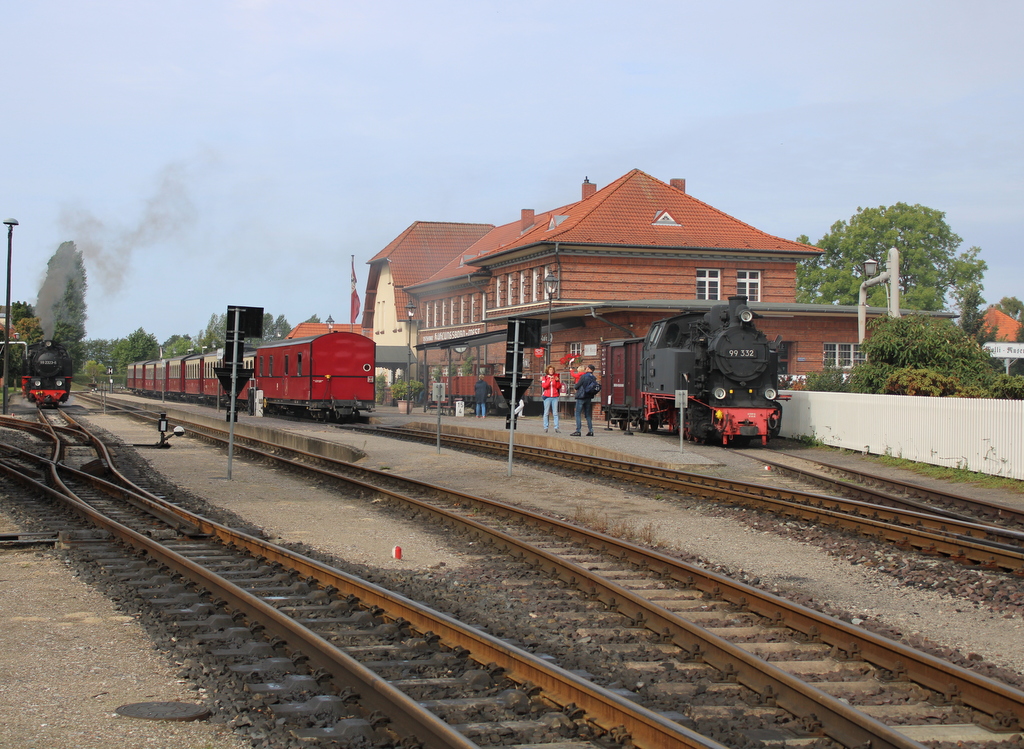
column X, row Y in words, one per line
column 551, row 387
column 585, row 391
column 481, row 392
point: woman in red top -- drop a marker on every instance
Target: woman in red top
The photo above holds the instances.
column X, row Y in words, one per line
column 551, row 386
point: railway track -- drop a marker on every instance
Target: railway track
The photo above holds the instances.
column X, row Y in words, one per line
column 827, row 677
column 876, row 514
column 341, row 658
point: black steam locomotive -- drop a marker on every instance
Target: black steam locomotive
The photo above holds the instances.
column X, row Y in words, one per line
column 47, row 374
column 727, row 367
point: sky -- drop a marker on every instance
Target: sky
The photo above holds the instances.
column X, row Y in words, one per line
column 206, row 153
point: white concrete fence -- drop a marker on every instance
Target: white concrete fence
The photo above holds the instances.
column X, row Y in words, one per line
column 975, row 434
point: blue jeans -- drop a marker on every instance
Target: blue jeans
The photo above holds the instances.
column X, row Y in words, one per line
column 551, row 406
column 481, row 408
column 585, row 407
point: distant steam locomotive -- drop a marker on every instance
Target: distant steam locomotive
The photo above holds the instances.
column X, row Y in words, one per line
column 728, row 368
column 47, row 374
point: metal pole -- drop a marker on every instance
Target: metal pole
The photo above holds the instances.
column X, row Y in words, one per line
column 11, row 223
column 234, row 382
column 512, row 400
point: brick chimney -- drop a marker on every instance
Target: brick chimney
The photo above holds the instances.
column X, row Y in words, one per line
column 527, row 219
column 679, row 184
column 589, row 188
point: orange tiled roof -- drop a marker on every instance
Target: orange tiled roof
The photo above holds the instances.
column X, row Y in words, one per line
column 426, row 247
column 1005, row 327
column 309, row 329
column 639, row 210
column 635, row 210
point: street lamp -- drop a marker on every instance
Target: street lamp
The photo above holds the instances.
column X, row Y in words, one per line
column 410, row 308
column 11, row 223
column 550, row 286
column 330, row 324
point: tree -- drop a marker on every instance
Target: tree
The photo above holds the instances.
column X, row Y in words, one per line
column 930, row 268
column 139, row 346
column 1012, row 306
column 99, row 350
column 61, row 305
column 178, row 345
column 216, row 331
column 314, row 318
column 972, row 318
column 917, row 342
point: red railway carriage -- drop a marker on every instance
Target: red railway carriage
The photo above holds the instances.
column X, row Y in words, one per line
column 183, row 378
column 621, row 395
column 328, row 377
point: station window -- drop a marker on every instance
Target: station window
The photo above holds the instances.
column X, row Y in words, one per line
column 786, row 349
column 748, row 284
column 842, row 355
column 707, row 283
column 576, row 349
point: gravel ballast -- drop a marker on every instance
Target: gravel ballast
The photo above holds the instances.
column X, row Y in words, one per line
column 857, row 581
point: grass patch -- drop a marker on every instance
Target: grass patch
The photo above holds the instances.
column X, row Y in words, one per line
column 644, row 534
column 955, row 475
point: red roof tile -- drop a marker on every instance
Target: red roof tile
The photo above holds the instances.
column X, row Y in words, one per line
column 309, row 329
column 639, row 210
column 426, row 247
column 1005, row 326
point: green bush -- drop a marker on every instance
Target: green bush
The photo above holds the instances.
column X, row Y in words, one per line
column 910, row 381
column 1007, row 386
column 828, row 380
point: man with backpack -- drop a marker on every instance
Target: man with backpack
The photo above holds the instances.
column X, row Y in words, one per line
column 587, row 387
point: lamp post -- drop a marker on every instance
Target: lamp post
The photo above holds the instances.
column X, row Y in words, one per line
column 330, row 324
column 890, row 276
column 11, row 223
column 410, row 309
column 550, row 286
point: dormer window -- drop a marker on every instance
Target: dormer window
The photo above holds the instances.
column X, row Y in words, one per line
column 664, row 218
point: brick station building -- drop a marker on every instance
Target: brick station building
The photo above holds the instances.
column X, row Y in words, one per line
column 619, row 258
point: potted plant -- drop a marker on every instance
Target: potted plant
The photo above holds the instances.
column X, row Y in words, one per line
column 399, row 390
column 406, row 394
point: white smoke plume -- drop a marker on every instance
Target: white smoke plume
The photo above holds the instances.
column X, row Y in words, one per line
column 108, row 250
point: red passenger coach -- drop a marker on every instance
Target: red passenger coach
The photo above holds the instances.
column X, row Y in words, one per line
column 328, row 377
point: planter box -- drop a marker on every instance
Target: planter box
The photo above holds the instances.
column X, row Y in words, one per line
column 405, row 407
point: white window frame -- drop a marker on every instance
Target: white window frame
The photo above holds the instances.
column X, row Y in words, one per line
column 841, row 355
column 576, row 349
column 748, row 284
column 708, row 277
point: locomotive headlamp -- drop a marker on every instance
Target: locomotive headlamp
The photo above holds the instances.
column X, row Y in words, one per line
column 59, row 383
column 746, row 316
column 771, row 394
column 719, row 393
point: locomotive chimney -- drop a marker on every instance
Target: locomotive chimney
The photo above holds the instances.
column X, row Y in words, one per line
column 589, row 188
column 679, row 184
column 527, row 220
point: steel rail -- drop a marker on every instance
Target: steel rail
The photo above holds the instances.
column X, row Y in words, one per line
column 980, row 508
column 605, row 709
column 986, row 695
column 969, row 543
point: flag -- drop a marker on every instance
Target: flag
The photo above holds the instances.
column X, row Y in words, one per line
column 355, row 294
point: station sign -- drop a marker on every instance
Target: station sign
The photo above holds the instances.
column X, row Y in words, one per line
column 1005, row 350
